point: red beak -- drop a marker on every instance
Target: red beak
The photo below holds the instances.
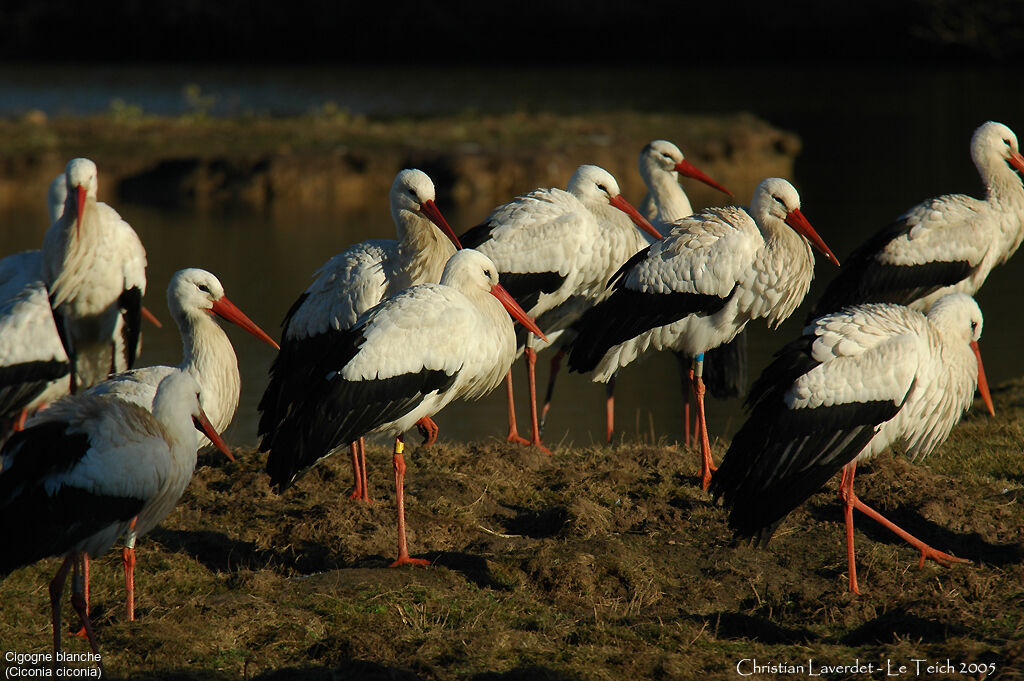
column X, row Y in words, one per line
column 226, row 309
column 982, row 381
column 204, row 426
column 800, row 224
column 687, row 169
column 151, row 318
column 80, row 196
column 634, row 215
column 518, row 313
column 433, row 213
column 1017, row 161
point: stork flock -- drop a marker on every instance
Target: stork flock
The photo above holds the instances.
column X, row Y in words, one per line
column 390, row 331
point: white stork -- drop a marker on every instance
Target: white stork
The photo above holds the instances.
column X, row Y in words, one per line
column 348, row 285
column 94, row 267
column 945, row 244
column 73, row 481
column 699, row 286
column 554, row 251
column 661, row 163
column 34, row 367
column 856, row 382
column 403, row 360
column 194, row 297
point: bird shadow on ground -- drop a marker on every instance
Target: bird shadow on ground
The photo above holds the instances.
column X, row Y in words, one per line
column 968, row 545
column 473, row 568
column 221, row 553
column 897, row 624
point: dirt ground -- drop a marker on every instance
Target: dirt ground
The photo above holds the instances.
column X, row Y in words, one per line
column 596, row 563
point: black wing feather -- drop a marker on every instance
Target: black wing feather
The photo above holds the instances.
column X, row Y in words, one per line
column 781, row 455
column 130, row 303
column 627, row 314
column 331, row 411
column 864, row 278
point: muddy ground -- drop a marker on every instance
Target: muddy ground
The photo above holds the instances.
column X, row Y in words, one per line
column 595, row 563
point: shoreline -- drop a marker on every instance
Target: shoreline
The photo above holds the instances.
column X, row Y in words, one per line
column 331, row 159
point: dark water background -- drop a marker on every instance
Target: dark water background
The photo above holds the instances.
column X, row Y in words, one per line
column 875, row 142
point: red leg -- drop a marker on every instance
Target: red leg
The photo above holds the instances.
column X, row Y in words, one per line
column 927, row 552
column 556, row 366
column 403, row 547
column 83, row 562
column 56, row 591
column 513, row 432
column 362, row 470
column 846, row 494
column 428, row 429
column 19, row 423
column 128, row 563
column 609, row 409
column 531, row 374
column 79, row 601
column 707, row 464
column 357, row 475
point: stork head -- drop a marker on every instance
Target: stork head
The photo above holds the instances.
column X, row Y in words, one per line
column 595, row 186
column 177, row 395
column 193, row 291
column 777, row 199
column 958, row 315
column 470, row 270
column 664, row 156
column 81, row 184
column 995, row 143
column 413, row 192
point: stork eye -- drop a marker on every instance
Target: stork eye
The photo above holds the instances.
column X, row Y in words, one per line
column 974, row 327
column 204, row 288
column 487, row 273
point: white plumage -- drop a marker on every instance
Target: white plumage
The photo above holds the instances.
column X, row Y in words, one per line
column 404, row 360
column 555, row 250
column 945, row 244
column 661, row 163
column 857, row 381
column 351, row 283
column 74, row 479
column 700, row 285
column 194, row 296
column 94, row 267
column 34, row 368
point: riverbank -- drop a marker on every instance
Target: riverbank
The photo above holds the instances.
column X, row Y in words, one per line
column 329, row 159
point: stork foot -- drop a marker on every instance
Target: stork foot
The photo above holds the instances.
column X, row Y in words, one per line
column 406, row 560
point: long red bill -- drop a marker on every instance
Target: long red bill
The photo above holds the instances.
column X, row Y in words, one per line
column 686, row 168
column 433, row 213
column 80, row 196
column 1017, row 161
column 798, row 222
column 518, row 313
column 151, row 318
column 982, row 381
column 204, row 426
column 229, row 311
column 634, row 215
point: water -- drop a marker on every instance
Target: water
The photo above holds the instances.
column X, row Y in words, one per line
column 875, row 143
